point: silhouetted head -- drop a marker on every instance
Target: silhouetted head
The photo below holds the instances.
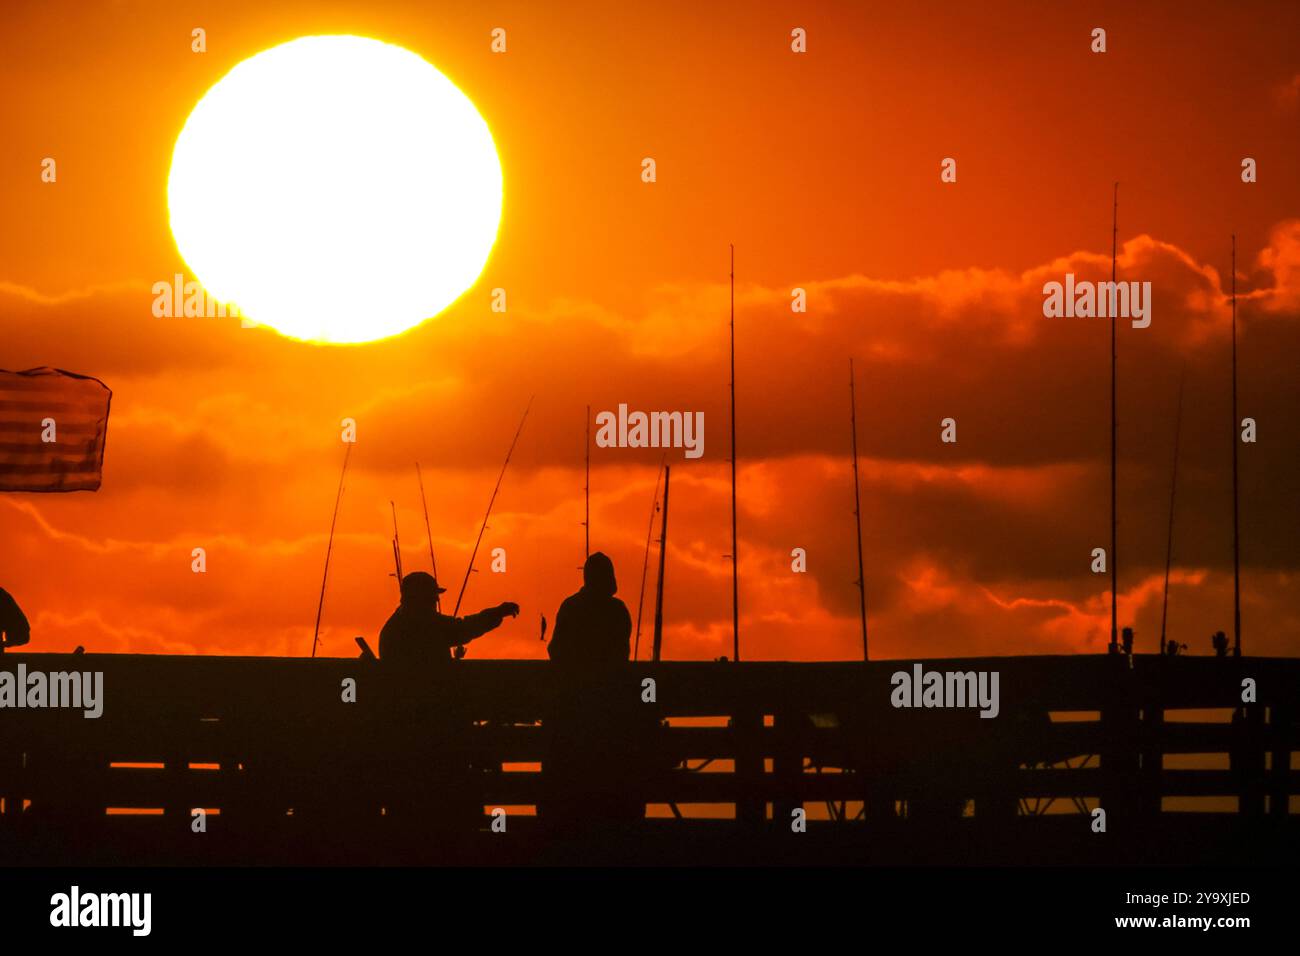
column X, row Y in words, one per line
column 420, row 589
column 598, row 574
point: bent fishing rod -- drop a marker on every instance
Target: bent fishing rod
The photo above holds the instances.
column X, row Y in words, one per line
column 491, row 501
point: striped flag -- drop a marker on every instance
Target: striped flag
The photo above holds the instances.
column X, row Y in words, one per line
column 53, row 426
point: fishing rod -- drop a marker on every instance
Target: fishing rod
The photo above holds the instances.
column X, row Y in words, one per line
column 473, row 554
column 338, row 498
column 735, row 554
column 433, row 562
column 659, row 590
column 586, row 488
column 1236, row 508
column 1114, row 441
column 1173, row 489
column 645, row 567
column 397, row 548
column 857, row 509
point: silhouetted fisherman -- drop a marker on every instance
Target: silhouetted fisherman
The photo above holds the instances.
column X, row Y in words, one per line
column 593, row 626
column 1126, row 640
column 1220, row 642
column 1173, row 647
column 423, row 751
column 13, row 623
column 594, row 769
column 417, row 636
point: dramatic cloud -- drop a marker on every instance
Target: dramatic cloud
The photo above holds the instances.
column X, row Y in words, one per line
column 228, row 439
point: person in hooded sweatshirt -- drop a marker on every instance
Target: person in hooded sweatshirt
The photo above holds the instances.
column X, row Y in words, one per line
column 593, row 770
column 593, row 627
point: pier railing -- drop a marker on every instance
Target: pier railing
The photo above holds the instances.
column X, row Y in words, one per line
column 253, row 740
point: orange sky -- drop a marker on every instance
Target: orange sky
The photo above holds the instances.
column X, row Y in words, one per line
column 824, row 170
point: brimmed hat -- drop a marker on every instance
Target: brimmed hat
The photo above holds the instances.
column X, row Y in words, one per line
column 420, row 583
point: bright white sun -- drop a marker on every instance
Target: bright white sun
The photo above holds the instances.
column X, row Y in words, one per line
column 336, row 189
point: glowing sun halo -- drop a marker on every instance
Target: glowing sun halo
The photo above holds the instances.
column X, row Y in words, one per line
column 335, row 188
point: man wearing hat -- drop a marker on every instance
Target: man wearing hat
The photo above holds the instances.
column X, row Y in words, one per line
column 426, row 760
column 419, row 637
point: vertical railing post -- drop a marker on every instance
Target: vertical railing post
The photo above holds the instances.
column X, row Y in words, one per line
column 1246, row 759
column 787, row 766
column 1152, row 734
column 747, row 727
column 1279, row 736
column 1120, row 758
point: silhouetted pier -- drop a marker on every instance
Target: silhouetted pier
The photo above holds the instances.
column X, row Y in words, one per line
column 289, row 772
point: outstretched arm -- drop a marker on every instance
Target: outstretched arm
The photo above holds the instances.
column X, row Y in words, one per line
column 462, row 630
